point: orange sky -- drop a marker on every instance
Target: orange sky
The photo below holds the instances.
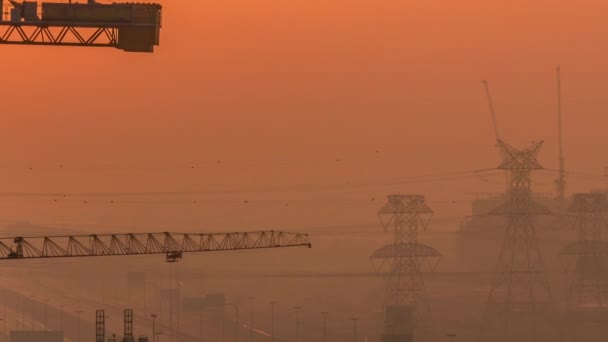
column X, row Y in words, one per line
column 283, row 88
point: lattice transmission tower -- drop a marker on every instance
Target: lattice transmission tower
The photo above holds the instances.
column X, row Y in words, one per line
column 401, row 263
column 588, row 291
column 520, row 304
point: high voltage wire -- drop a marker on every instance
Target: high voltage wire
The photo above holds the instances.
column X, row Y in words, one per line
column 86, row 197
column 452, row 176
column 375, row 155
column 194, row 203
column 331, row 229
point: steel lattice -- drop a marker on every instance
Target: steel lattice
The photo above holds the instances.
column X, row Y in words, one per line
column 520, row 303
column 401, row 262
column 171, row 244
column 58, row 34
column 589, row 288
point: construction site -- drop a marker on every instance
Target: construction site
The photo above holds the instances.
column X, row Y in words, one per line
column 299, row 173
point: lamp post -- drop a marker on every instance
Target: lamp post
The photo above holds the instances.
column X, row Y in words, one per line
column 201, row 318
column 32, row 299
column 78, row 326
column 223, row 322
column 272, row 304
column 17, row 309
column 251, row 320
column 61, row 317
column 236, row 323
column 153, row 326
column 3, row 319
column 324, row 313
column 46, row 303
column 201, row 323
column 4, row 315
column 355, row 319
column 297, row 309
column 22, row 305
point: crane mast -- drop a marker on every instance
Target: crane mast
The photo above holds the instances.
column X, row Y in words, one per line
column 172, row 245
column 560, row 183
column 491, row 105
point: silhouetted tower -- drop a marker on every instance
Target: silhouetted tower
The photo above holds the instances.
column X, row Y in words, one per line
column 520, row 304
column 407, row 311
column 560, row 182
column 128, row 326
column 589, row 288
column 100, row 326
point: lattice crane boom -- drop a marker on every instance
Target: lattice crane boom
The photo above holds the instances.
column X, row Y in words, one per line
column 129, row 26
column 173, row 245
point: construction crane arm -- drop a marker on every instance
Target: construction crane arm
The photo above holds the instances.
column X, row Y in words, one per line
column 170, row 244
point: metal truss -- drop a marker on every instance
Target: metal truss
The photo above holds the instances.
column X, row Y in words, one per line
column 48, row 33
column 589, row 287
column 520, row 303
column 170, row 244
column 401, row 264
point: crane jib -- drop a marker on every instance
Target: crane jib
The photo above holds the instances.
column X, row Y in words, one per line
column 172, row 245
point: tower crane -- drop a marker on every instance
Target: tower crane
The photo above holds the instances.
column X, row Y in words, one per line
column 172, row 245
column 131, row 27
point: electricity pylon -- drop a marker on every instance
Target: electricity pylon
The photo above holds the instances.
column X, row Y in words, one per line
column 589, row 288
column 520, row 304
column 407, row 311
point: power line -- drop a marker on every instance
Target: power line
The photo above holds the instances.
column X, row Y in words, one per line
column 445, row 177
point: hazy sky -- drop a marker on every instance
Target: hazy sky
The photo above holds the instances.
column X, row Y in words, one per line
column 278, row 90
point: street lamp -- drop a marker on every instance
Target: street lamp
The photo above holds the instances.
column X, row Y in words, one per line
column 32, row 299
column 153, row 326
column 236, row 322
column 355, row 319
column 272, row 304
column 324, row 313
column 202, row 322
column 223, row 321
column 61, row 317
column 78, row 326
column 22, row 306
column 251, row 321
column 46, row 302
column 297, row 309
column 18, row 303
column 3, row 319
column 201, row 316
